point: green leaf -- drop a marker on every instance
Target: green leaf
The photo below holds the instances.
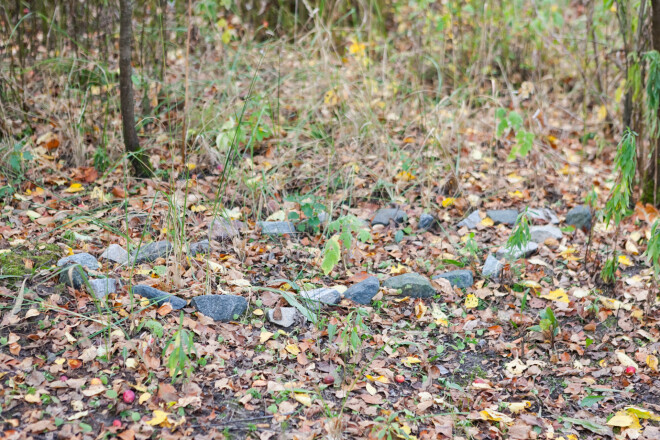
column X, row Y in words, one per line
column 591, row 426
column 589, row 401
column 155, row 327
column 398, row 236
column 111, row 394
column 331, row 255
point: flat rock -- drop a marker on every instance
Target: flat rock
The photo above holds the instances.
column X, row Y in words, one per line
column 505, row 216
column 364, row 291
column 103, row 287
column 542, row 233
column 151, row 252
column 458, row 278
column 516, row 252
column 543, row 214
column 222, row 229
column 115, row 253
column 201, row 247
column 277, row 228
column 383, row 216
column 158, row 296
column 290, row 316
column 84, row 259
column 580, row 217
column 426, row 221
column 492, row 268
column 220, row 307
column 412, row 284
column 471, row 221
column 324, row 295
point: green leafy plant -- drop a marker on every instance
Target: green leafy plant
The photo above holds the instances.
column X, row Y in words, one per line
column 16, row 163
column 520, row 236
column 548, row 325
column 346, row 228
column 652, row 253
column 513, row 122
column 350, row 336
column 617, row 206
column 179, row 361
column 312, row 214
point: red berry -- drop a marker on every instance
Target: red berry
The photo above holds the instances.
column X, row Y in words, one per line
column 630, row 370
column 128, row 396
column 116, row 423
column 399, row 378
column 329, row 379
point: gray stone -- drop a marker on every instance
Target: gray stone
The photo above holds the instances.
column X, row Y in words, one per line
column 383, row 216
column 84, row 259
column 323, row 295
column 492, row 268
column 411, row 284
column 517, row 252
column 158, row 296
column 543, row 214
column 426, row 221
column 364, row 291
column 580, row 217
column 220, row 307
column 458, row 278
column 151, row 252
column 290, row 316
column 103, row 287
column 277, row 228
column 222, row 229
column 506, row 216
column 201, row 247
column 542, row 233
column 115, row 253
column 471, row 221
column 324, row 217
column 73, row 275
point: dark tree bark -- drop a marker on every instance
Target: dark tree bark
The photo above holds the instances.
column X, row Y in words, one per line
column 136, row 156
column 650, row 185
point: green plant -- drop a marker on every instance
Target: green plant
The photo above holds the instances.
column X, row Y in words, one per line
column 513, row 122
column 313, row 212
column 617, row 206
column 351, row 333
column 389, row 427
column 179, row 361
column 652, row 252
column 548, row 325
column 16, row 159
column 345, row 229
column 520, row 236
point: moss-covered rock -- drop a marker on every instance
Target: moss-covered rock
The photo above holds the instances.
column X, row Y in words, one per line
column 15, row 263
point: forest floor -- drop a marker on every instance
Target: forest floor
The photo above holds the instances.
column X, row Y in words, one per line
column 449, row 362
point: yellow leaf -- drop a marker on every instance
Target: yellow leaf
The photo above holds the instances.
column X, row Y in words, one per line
column 530, row 283
column 448, row 202
column 356, row 48
column 264, row 336
column 405, row 176
column 411, row 360
column 495, row 416
column 515, row 195
column 330, row 98
column 74, row 188
column 258, row 312
column 516, row 407
column 293, row 349
column 514, row 178
column 215, row 267
column 439, row 316
column 557, row 295
column 144, row 397
column 381, row 378
column 191, row 166
column 621, row 420
column 198, row 208
column 471, row 301
column 420, row 310
column 303, row 398
column 624, row 260
column 642, row 413
column 398, row 269
column 32, row 398
column 487, row 221
column 602, row 113
column 160, row 417
column 652, row 362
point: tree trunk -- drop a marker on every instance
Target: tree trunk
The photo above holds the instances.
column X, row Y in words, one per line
column 136, row 156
